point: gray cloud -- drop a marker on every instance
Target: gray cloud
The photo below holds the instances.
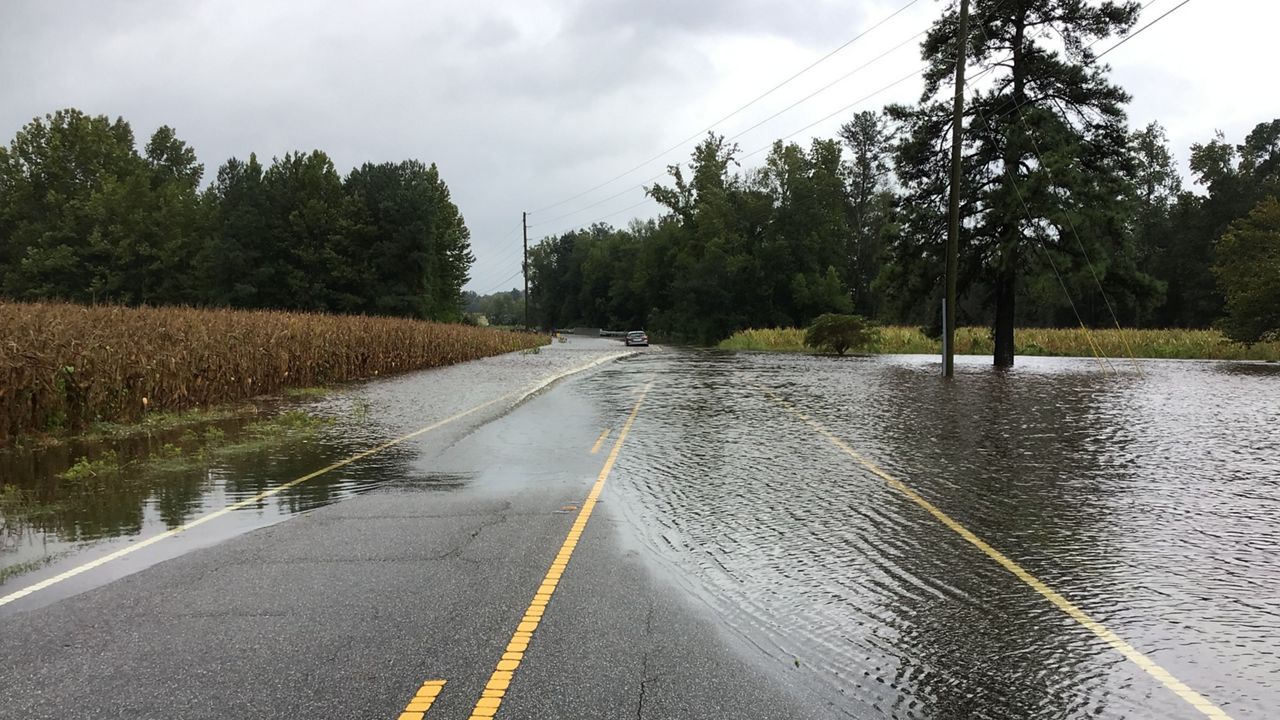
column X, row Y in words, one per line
column 521, row 103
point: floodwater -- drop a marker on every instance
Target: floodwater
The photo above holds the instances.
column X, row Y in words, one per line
column 77, row 520
column 64, row 519
column 1150, row 502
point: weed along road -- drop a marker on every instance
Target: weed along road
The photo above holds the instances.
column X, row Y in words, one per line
column 687, row 534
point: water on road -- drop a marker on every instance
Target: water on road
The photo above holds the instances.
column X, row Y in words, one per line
column 1150, row 502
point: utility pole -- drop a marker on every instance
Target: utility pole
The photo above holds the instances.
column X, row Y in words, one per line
column 524, row 223
column 953, row 209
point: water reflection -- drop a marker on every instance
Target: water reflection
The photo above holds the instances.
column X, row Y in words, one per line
column 1151, row 502
column 58, row 516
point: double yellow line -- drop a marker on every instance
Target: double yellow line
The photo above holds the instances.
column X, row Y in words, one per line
column 504, row 672
column 1149, row 666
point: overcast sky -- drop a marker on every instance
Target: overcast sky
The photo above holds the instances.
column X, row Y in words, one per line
column 523, row 103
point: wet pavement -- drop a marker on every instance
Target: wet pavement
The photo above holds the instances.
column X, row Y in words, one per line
column 740, row 564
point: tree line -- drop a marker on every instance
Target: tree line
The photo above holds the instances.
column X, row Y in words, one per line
column 85, row 216
column 1068, row 217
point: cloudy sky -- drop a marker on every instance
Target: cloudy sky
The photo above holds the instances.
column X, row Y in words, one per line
column 525, row 103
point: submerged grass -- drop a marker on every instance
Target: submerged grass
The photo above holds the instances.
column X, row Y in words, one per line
column 1058, row 342
column 306, row 393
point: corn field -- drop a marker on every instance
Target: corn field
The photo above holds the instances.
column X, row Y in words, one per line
column 63, row 366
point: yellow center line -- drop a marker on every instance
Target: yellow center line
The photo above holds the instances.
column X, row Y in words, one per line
column 600, row 440
column 1198, row 701
column 422, row 700
column 134, row 547
column 496, row 689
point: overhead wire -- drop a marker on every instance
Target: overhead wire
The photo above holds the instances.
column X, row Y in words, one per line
column 501, row 283
column 1067, row 216
column 846, row 108
column 1099, row 354
column 1135, row 33
column 712, row 126
column 1013, row 182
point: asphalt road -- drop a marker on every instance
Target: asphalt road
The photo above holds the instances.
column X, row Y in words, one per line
column 346, row 611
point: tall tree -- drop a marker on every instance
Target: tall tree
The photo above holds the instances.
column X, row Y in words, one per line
column 306, row 250
column 1045, row 150
column 870, row 204
column 229, row 268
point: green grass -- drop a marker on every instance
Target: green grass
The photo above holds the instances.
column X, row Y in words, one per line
column 1059, row 342
column 10, row 571
column 192, row 450
column 306, row 393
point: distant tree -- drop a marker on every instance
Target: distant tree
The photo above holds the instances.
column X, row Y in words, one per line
column 1235, row 179
column 840, row 333
column 305, row 263
column 178, row 224
column 229, row 268
column 71, row 191
column 1248, row 268
column 870, row 204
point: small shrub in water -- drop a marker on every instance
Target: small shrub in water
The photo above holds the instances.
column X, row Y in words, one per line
column 840, row 333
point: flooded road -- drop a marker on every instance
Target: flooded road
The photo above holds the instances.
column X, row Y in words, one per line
column 161, row 481
column 1151, row 503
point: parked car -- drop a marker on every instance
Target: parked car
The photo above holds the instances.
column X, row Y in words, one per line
column 637, row 337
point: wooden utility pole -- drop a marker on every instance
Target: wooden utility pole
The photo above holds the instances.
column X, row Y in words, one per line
column 953, row 209
column 524, row 224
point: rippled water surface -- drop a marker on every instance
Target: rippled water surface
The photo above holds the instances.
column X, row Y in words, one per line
column 1151, row 502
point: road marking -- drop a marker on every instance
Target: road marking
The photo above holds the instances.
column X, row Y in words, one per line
column 1198, row 701
column 422, row 700
column 214, row 515
column 496, row 689
column 600, row 440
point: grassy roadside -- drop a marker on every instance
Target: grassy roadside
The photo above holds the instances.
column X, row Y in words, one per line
column 1058, row 342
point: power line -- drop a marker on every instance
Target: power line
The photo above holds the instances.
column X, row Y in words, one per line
column 710, row 127
column 598, row 203
column 844, row 109
column 503, row 282
column 1135, row 33
column 769, row 145
column 831, row 84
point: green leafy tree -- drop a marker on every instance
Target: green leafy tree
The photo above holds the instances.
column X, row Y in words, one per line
column 1235, row 179
column 229, row 269
column 410, row 250
column 1248, row 268
column 305, row 260
column 870, row 206
column 70, row 185
column 1045, row 154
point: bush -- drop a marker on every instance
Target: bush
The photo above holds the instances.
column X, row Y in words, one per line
column 841, row 333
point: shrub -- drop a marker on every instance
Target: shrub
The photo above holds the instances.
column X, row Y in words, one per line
column 840, row 333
